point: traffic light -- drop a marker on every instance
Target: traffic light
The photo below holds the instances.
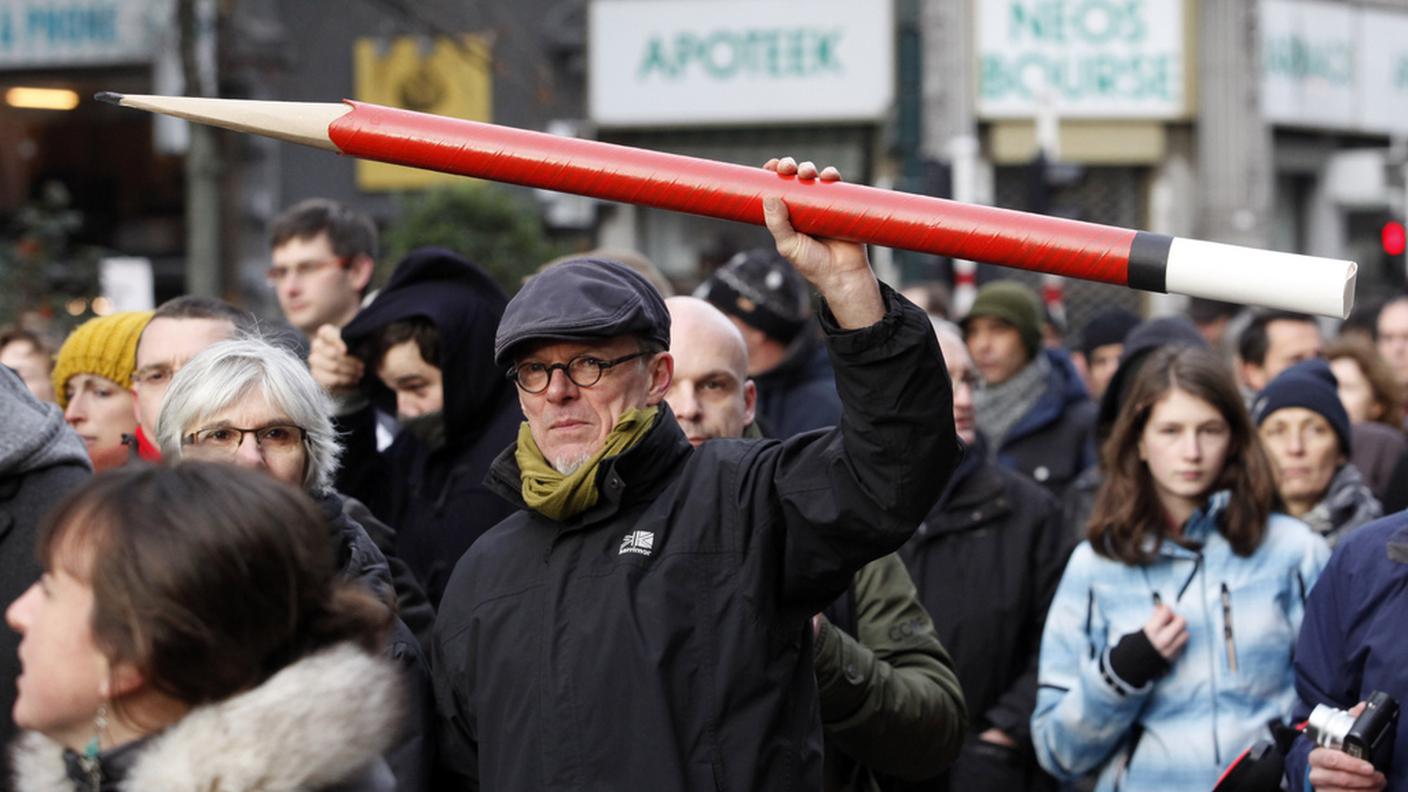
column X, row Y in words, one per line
column 1393, row 238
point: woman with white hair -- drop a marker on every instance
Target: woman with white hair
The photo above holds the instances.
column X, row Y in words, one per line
column 253, row 404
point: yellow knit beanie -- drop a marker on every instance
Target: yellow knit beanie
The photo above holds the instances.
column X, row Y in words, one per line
column 106, row 346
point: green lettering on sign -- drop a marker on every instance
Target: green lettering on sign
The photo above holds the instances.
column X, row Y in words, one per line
column 725, row 54
column 1100, row 77
column 1090, row 22
column 1298, row 59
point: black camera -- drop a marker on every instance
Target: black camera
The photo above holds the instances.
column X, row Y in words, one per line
column 1369, row 737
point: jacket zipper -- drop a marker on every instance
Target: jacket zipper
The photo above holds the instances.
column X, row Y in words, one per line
column 1212, row 665
column 1227, row 629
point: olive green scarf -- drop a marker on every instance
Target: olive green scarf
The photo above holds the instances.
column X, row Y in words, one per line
column 563, row 497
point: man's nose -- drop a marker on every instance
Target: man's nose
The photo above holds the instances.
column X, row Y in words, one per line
column 682, row 400
column 560, row 386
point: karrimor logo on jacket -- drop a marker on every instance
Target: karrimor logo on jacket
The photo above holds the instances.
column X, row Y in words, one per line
column 641, row 542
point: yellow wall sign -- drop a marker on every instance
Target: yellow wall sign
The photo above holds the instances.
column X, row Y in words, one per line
column 445, row 78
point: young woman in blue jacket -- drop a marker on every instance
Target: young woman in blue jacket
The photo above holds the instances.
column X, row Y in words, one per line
column 1168, row 646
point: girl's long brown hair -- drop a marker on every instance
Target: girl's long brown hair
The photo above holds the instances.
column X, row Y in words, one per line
column 1127, row 508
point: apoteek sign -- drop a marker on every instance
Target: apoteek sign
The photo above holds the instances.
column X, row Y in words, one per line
column 1086, row 58
column 688, row 62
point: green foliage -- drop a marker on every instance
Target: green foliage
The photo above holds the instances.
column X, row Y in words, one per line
column 41, row 269
column 486, row 223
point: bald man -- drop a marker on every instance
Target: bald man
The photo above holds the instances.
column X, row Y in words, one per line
column 904, row 718
column 710, row 393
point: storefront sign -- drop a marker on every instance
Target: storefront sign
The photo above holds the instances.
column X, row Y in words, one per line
column 1081, row 58
column 686, row 62
column 443, row 77
column 44, row 33
column 1329, row 65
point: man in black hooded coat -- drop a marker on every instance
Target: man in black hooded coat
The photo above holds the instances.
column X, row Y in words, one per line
column 435, row 499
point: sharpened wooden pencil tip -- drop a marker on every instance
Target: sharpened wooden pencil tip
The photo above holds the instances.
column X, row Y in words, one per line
column 111, row 97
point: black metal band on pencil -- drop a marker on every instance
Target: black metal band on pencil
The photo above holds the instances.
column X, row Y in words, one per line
column 1148, row 262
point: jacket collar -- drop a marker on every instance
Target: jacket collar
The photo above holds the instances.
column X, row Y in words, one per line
column 1398, row 545
column 313, row 723
column 1062, row 389
column 637, row 474
column 1200, row 527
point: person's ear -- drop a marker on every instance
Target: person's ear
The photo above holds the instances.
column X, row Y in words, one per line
column 1251, row 375
column 662, row 373
column 750, row 401
column 360, row 270
column 123, row 678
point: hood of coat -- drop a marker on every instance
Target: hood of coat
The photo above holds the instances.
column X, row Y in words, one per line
column 33, row 434
column 317, row 722
column 465, row 305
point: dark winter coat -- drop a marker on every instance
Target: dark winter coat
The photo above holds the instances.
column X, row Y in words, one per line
column 41, row 460
column 412, row 604
column 986, row 562
column 799, row 394
column 1351, row 639
column 662, row 639
column 436, row 499
column 1053, row 442
column 412, row 755
column 1378, row 450
column 891, row 707
column 317, row 725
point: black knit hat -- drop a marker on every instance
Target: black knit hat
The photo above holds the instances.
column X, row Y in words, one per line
column 1309, row 384
column 760, row 287
column 1146, row 337
column 1108, row 327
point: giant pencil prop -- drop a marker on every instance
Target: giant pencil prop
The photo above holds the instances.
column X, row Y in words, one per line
column 1138, row 259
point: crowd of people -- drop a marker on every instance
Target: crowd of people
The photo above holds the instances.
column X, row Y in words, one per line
column 796, row 531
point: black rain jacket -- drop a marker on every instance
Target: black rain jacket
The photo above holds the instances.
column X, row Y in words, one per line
column 986, row 562
column 661, row 640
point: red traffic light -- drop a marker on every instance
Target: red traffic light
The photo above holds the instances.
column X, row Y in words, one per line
column 1394, row 238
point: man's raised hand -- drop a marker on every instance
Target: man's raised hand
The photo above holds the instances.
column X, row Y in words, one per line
column 839, row 270
column 330, row 363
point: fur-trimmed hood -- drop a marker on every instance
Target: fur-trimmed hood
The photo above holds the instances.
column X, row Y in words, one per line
column 318, row 723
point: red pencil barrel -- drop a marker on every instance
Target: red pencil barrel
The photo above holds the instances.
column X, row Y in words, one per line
column 735, row 192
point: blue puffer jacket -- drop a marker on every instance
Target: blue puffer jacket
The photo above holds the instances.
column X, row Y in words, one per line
column 1352, row 644
column 1233, row 676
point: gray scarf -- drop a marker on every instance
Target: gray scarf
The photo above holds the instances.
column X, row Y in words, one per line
column 999, row 407
column 1348, row 503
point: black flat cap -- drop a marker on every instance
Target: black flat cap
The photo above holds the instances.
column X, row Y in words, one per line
column 582, row 299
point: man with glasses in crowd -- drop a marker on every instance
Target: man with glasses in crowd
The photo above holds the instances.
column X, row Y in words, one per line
column 322, row 259
column 179, row 330
column 646, row 621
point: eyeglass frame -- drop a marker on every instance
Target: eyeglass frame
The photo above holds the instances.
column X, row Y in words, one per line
column 304, row 269
column 601, row 367
column 189, row 439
